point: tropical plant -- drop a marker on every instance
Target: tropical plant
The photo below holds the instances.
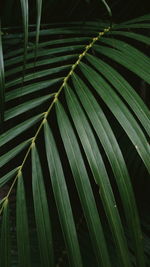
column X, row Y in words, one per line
column 74, row 136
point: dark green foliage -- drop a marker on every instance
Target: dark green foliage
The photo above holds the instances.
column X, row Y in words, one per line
column 74, row 144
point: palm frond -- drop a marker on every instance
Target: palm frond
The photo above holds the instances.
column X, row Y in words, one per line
column 23, row 242
column 60, row 123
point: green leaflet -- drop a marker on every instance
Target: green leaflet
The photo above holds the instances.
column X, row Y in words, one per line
column 38, row 23
column 46, row 44
column 133, row 26
column 31, row 88
column 17, row 130
column 41, row 209
column 73, row 30
column 120, row 111
column 107, row 7
column 113, row 152
column 62, row 198
column 83, row 186
column 37, row 75
column 7, row 177
column 124, row 89
column 100, row 175
column 24, row 8
column 128, row 50
column 23, row 243
column 27, row 106
column 46, row 52
column 125, row 60
column 141, row 18
column 25, row 19
column 5, row 158
column 40, row 63
column 5, row 258
column 135, row 36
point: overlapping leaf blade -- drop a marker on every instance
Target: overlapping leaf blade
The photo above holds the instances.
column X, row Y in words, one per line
column 64, row 42
column 37, row 75
column 125, row 60
column 83, row 186
column 142, row 38
column 135, row 20
column 17, row 130
column 23, row 242
column 32, row 88
column 120, row 111
column 99, row 172
column 113, row 152
column 5, row 247
column 46, row 52
column 41, row 62
column 5, row 158
column 27, row 106
column 124, row 89
column 7, row 177
column 128, row 50
column 62, row 198
column 38, row 23
column 42, row 216
column 133, row 26
column 25, row 19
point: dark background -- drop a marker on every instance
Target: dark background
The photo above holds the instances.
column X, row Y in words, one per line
column 67, row 10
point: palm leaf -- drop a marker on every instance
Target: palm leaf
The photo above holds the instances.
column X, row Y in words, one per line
column 41, row 211
column 22, row 226
column 17, row 130
column 62, row 198
column 83, row 186
column 125, row 60
column 99, row 173
column 133, row 35
column 5, row 237
column 15, row 111
column 107, row 7
column 25, row 19
column 38, row 23
column 113, row 152
column 13, row 152
column 7, row 177
column 128, row 93
column 120, row 111
column 79, row 75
